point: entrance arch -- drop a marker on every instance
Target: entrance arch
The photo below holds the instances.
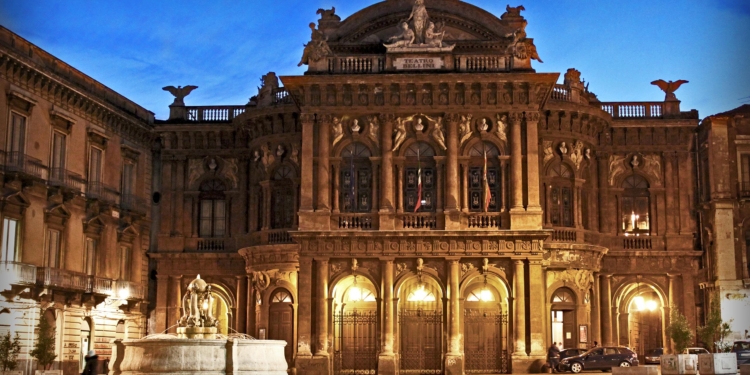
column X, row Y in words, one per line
column 420, row 325
column 355, row 326
column 486, row 345
column 642, row 308
column 563, row 317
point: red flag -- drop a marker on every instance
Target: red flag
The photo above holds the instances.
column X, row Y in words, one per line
column 419, row 185
column 487, row 193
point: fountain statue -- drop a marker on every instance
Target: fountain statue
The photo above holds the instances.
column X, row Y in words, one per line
column 197, row 320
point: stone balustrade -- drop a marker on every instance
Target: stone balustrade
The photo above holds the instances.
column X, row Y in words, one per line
column 354, row 221
column 634, row 110
column 225, row 113
column 16, row 273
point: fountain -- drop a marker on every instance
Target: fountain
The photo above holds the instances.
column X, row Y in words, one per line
column 198, row 348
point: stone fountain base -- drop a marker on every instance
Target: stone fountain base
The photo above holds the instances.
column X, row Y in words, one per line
column 173, row 355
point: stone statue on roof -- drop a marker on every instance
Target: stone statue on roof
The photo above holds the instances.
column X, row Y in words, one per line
column 317, row 48
column 419, row 18
column 405, row 39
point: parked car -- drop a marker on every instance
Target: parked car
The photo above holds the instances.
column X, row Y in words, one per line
column 571, row 352
column 653, row 356
column 696, row 351
column 603, row 358
column 742, row 349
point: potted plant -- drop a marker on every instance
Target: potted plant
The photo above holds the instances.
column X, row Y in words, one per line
column 9, row 350
column 44, row 348
column 713, row 334
column 679, row 331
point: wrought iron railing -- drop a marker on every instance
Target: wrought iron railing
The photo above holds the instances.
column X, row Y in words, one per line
column 637, row 243
column 103, row 192
column 22, row 163
column 210, row 245
column 67, row 179
column 100, row 285
column 63, row 279
column 129, row 290
column 16, row 273
column 279, row 236
column 132, row 202
column 743, row 189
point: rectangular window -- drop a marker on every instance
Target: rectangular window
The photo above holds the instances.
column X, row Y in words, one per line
column 125, row 263
column 745, row 175
column 16, row 138
column 356, row 189
column 635, row 218
column 213, row 218
column 128, row 178
column 10, row 240
column 95, row 165
column 411, row 189
column 57, row 164
column 476, row 189
column 90, row 256
column 53, row 249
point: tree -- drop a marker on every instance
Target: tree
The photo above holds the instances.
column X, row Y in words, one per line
column 679, row 330
column 713, row 333
column 44, row 348
column 9, row 350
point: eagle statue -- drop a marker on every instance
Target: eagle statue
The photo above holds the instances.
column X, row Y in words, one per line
column 669, row 87
column 179, row 93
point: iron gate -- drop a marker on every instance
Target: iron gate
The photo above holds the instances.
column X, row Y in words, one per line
column 485, row 341
column 355, row 350
column 421, row 342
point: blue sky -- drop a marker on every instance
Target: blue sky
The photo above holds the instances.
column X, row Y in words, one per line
column 136, row 47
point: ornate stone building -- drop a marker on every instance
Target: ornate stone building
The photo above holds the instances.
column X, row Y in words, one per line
column 423, row 201
column 75, row 171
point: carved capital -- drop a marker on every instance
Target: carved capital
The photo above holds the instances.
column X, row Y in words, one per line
column 305, row 118
column 325, row 119
column 516, row 117
column 532, row 116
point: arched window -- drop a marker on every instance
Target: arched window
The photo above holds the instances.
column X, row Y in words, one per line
column 482, row 294
column 212, row 209
column 635, row 206
column 560, row 195
column 281, row 296
column 283, row 197
column 563, row 295
column 356, row 179
column 419, row 169
column 484, row 154
column 421, row 294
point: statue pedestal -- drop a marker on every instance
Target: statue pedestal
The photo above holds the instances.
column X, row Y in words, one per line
column 206, row 333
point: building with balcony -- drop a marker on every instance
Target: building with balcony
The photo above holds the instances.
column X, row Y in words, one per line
column 75, row 168
column 431, row 205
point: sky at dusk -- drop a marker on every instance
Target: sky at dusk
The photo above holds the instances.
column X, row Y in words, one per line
column 136, row 47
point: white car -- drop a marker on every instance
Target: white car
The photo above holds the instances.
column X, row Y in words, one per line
column 696, row 351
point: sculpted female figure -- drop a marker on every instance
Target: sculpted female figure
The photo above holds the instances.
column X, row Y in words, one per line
column 419, row 16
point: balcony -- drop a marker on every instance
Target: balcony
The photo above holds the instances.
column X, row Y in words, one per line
column 210, row 245
column 743, row 190
column 484, row 220
column 282, row 96
column 22, row 163
column 634, row 110
column 15, row 273
column 129, row 290
column 354, row 221
column 62, row 279
column 102, row 192
column 99, row 285
column 64, row 178
column 225, row 113
column 637, row 243
column 426, row 220
column 132, row 202
column 564, row 235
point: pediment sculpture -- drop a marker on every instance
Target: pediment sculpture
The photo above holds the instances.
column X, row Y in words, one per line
column 317, row 49
column 422, row 35
column 520, row 46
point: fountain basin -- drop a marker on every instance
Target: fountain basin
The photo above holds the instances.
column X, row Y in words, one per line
column 198, row 356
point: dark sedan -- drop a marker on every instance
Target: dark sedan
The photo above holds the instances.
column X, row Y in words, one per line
column 741, row 348
column 653, row 356
column 603, row 358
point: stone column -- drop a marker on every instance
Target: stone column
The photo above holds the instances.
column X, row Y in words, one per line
column 503, row 186
column 375, row 181
column 465, row 190
column 387, row 364
column 324, row 151
column 606, row 307
column 336, row 184
column 386, row 191
column 304, row 314
column 516, row 162
column 306, row 161
column 322, row 312
column 162, row 303
column 400, row 186
column 454, row 358
column 532, row 162
column 175, row 301
column 241, row 304
column 537, row 311
column 451, row 201
column 595, row 330
column 604, row 207
column 519, row 303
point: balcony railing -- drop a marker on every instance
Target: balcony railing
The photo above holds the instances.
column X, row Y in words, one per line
column 99, row 285
column 282, row 96
column 634, row 110
column 564, row 235
column 484, row 221
column 21, row 163
column 63, row 279
column 102, row 192
column 132, row 202
column 419, row 221
column 279, row 236
column 15, row 273
column 210, row 245
column 561, row 93
column 214, row 113
column 129, row 290
column 355, row 221
column 636, row 243
column 64, row 178
column 356, row 65
column 743, row 189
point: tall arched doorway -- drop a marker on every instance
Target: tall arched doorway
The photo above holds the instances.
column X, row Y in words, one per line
column 355, row 326
column 281, row 321
column 485, row 328
column 644, row 317
column 564, row 318
column 421, row 327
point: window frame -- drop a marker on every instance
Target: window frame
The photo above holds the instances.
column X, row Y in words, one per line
column 16, row 240
column 430, row 178
column 356, row 157
column 560, row 186
column 16, row 144
column 212, row 196
column 58, row 156
column 635, row 195
column 48, row 250
column 476, row 169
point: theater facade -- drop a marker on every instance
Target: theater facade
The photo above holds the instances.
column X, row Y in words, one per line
column 423, row 201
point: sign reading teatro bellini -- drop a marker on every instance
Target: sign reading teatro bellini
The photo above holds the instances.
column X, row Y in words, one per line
column 418, row 63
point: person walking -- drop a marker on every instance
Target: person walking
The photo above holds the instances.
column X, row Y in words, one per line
column 553, row 357
column 92, row 363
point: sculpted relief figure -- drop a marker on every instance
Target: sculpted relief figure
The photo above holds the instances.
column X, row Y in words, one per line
column 669, row 87
column 399, row 133
column 373, row 131
column 502, row 127
column 549, row 153
column 438, row 132
column 563, row 148
column 652, row 166
column 434, row 36
column 337, row 130
column 464, row 129
column 419, row 17
column 483, row 126
column 404, row 39
column 577, row 155
column 179, row 93
column 616, row 167
column 197, row 305
column 317, row 48
column 520, row 46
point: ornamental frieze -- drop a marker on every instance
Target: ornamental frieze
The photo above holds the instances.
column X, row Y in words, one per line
column 565, row 257
column 683, row 261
